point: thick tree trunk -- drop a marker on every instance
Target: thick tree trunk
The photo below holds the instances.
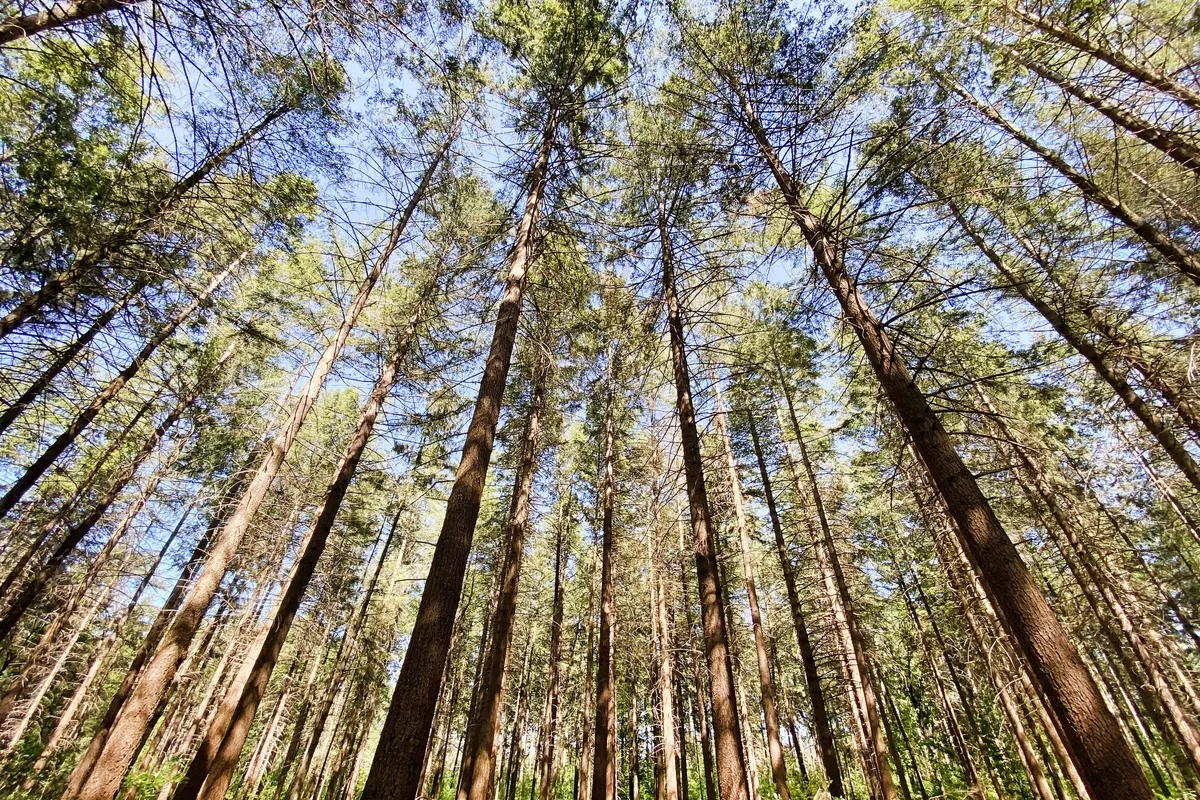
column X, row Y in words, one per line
column 765, row 681
column 395, row 772
column 826, row 747
column 211, row 768
column 731, row 765
column 478, row 775
column 1093, row 734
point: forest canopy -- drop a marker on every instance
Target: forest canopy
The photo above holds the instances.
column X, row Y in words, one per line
column 599, row 400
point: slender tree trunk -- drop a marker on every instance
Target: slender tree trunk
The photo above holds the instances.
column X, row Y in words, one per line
column 1171, row 251
column 858, row 661
column 1093, row 734
column 731, row 765
column 150, row 691
column 1167, row 142
column 211, row 768
column 395, row 772
column 1132, row 400
column 765, row 681
column 550, row 712
column 90, row 261
column 76, row 533
column 604, row 765
column 478, row 775
column 64, row 358
column 98, row 403
column 669, row 778
column 1118, row 60
column 826, row 747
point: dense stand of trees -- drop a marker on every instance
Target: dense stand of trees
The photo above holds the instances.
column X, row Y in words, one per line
column 597, row 399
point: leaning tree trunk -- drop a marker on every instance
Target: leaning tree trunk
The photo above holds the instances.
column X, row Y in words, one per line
column 1128, row 395
column 1118, row 60
column 64, row 358
column 1172, row 252
column 395, row 772
column 1171, row 144
column 731, row 765
column 90, row 261
column 826, row 747
column 765, row 681
column 149, row 693
column 1093, row 734
column 478, row 774
column 84, row 418
column 211, row 769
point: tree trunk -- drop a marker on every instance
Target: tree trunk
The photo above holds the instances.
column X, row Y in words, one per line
column 64, row 358
column 97, row 404
column 1093, row 734
column 604, row 764
column 1117, row 60
column 113, row 762
column 765, row 681
column 826, row 747
column 1167, row 142
column 731, row 765
column 211, row 769
column 550, row 712
column 1172, row 252
column 1132, row 400
column 395, row 772
column 854, row 644
column 90, row 261
column 478, row 775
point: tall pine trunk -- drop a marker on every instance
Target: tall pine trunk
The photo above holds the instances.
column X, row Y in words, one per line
column 395, row 772
column 731, row 765
column 1094, row 737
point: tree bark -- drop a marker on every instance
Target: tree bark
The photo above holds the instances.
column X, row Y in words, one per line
column 826, row 747
column 604, row 763
column 1093, row 734
column 478, row 774
column 395, row 772
column 731, row 765
column 765, row 681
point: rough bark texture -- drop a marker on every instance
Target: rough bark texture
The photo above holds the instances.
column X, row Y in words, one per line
column 211, row 768
column 826, row 747
column 1092, row 733
column 478, row 774
column 731, row 765
column 395, row 772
